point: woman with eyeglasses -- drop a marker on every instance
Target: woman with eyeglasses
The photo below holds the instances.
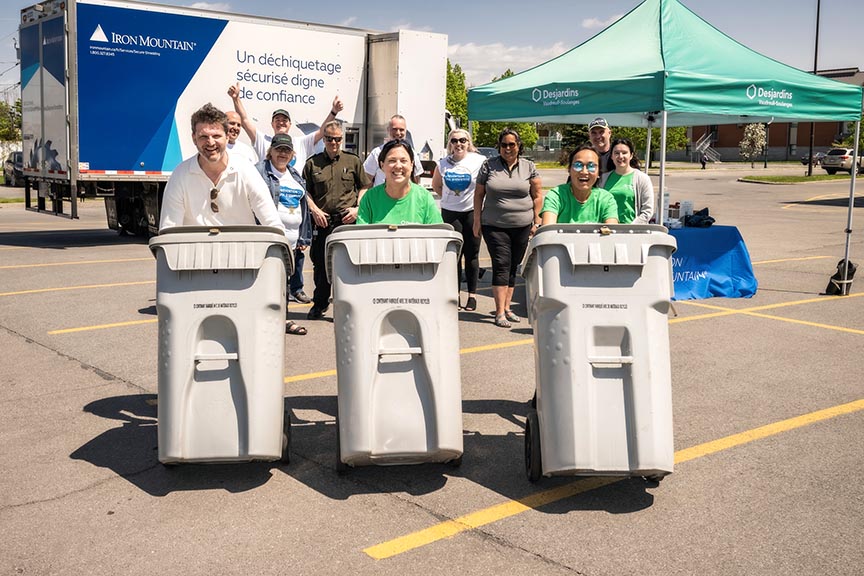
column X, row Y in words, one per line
column 577, row 200
column 508, row 196
column 454, row 180
column 288, row 190
column 398, row 200
column 631, row 188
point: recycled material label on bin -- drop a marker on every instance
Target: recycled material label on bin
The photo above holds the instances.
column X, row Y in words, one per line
column 215, row 305
column 401, row 301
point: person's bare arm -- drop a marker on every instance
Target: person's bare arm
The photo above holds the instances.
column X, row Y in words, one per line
column 337, row 107
column 479, row 194
column 437, row 182
column 248, row 125
column 536, row 192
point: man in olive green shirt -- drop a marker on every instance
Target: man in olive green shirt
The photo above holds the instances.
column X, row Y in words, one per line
column 335, row 182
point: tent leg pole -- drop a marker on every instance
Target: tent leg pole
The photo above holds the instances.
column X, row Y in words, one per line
column 664, row 213
column 648, row 149
column 846, row 287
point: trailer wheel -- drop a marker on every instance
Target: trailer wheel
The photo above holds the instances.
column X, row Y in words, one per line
column 286, row 438
column 533, row 464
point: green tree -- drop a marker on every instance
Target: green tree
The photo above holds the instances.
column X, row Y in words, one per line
column 457, row 96
column 10, row 121
column 576, row 134
column 753, row 143
column 486, row 133
column 849, row 141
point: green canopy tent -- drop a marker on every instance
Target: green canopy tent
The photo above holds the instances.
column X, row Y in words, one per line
column 677, row 69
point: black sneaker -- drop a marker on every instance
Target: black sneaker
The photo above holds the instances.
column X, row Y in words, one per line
column 316, row 313
column 300, row 296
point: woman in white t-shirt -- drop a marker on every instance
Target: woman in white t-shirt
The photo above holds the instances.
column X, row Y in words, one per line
column 454, row 180
column 289, row 193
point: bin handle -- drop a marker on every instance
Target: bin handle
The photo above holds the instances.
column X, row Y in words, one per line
column 397, row 351
column 609, row 361
column 208, row 357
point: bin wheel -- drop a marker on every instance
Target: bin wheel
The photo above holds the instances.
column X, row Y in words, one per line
column 286, row 439
column 533, row 465
column 455, row 462
column 654, row 478
column 341, row 467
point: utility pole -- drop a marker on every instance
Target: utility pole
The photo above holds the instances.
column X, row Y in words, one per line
column 815, row 68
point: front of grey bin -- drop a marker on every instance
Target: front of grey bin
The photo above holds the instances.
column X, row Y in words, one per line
column 395, row 297
column 598, row 301
column 220, row 297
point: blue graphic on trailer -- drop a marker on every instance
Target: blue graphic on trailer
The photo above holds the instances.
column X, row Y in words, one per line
column 132, row 71
column 29, row 54
column 54, row 49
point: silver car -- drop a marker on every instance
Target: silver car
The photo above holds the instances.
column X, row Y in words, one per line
column 840, row 159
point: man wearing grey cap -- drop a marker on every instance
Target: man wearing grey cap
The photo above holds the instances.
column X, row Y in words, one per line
column 601, row 138
column 303, row 148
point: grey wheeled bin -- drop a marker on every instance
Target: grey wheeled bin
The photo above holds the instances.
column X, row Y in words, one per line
column 598, row 298
column 395, row 314
column 220, row 296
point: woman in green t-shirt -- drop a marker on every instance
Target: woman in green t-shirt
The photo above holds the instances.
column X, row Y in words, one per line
column 398, row 200
column 631, row 188
column 577, row 200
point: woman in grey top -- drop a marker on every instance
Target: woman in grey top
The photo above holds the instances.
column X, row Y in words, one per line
column 508, row 196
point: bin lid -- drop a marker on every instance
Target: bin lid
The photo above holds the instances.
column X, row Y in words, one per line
column 382, row 244
column 219, row 247
column 601, row 244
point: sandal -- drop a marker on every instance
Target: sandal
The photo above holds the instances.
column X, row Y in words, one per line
column 502, row 322
column 512, row 317
column 292, row 327
column 471, row 304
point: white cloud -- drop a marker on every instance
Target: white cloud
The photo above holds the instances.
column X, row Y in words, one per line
column 482, row 62
column 592, row 23
column 409, row 26
column 348, row 22
column 216, row 6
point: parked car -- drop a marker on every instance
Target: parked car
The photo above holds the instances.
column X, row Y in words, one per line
column 840, row 159
column 487, row 151
column 817, row 158
column 13, row 169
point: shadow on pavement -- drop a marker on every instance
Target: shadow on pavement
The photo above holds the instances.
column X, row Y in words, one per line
column 130, row 451
column 492, row 461
column 62, row 239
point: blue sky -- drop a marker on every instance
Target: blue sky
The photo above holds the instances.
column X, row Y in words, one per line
column 487, row 38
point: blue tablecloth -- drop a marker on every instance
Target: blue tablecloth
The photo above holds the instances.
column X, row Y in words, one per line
column 711, row 262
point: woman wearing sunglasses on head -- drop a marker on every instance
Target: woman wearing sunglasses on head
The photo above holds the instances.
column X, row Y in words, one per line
column 454, row 180
column 508, row 197
column 398, row 200
column 577, row 200
column 631, row 188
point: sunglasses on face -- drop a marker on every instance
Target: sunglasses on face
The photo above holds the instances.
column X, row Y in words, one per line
column 590, row 166
column 333, row 138
column 214, row 207
column 507, row 144
column 458, row 140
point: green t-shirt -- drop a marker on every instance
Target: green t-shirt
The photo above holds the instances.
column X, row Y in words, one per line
column 621, row 188
column 599, row 207
column 417, row 207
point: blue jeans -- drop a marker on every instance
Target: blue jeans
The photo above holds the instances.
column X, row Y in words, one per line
column 295, row 283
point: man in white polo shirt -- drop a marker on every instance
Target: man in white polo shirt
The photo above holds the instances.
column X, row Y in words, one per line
column 213, row 188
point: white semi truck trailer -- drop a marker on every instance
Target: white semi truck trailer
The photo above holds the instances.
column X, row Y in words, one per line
column 108, row 88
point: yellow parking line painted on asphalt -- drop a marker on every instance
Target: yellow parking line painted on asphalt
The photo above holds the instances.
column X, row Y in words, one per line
column 806, row 323
column 790, row 260
column 309, row 376
column 486, row 348
column 492, row 514
column 65, row 288
column 766, row 431
column 19, row 266
column 102, row 326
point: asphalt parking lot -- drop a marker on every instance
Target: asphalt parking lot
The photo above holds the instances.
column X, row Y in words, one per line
column 768, row 421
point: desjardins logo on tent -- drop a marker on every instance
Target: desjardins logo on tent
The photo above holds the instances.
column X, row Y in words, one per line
column 557, row 97
column 770, row 96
